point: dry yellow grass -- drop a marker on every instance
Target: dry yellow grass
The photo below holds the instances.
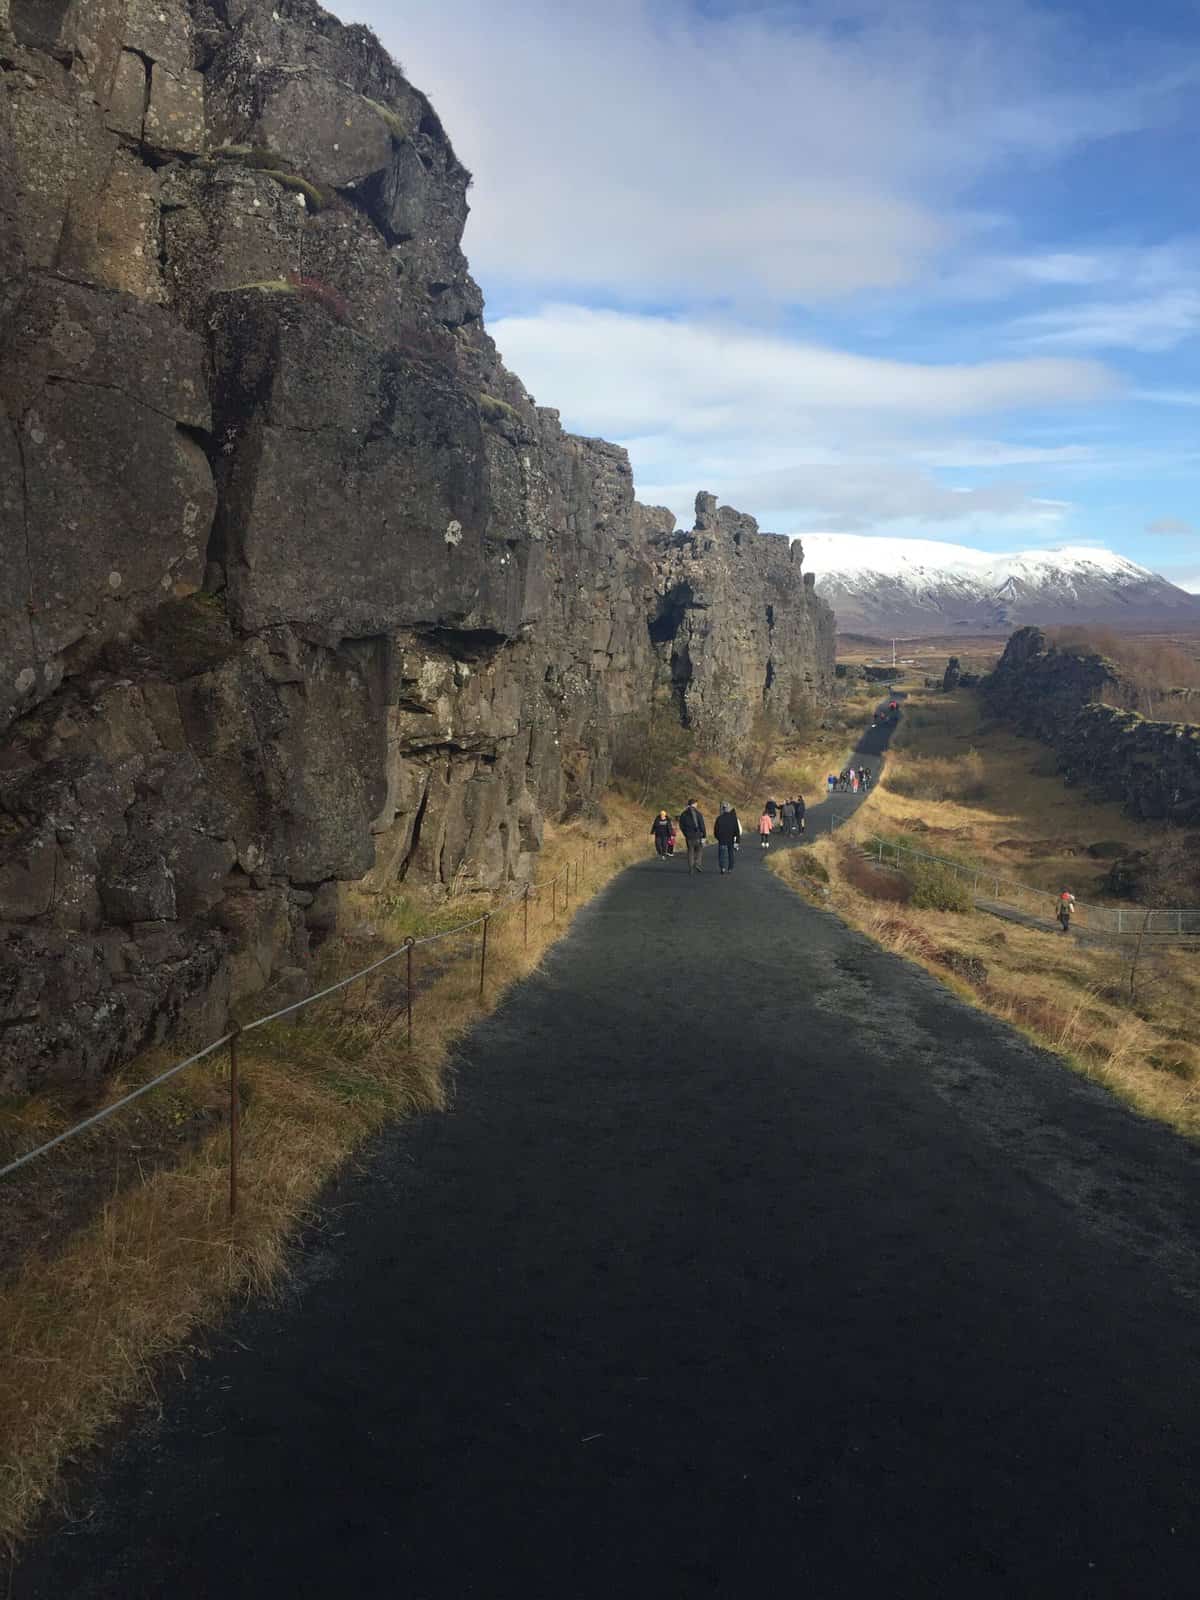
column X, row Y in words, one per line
column 1136, row 1031
column 987, row 792
column 87, row 1325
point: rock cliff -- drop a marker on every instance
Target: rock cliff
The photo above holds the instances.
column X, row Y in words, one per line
column 301, row 586
column 739, row 627
column 1071, row 700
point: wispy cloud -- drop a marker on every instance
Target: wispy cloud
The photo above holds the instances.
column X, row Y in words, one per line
column 789, row 428
column 1153, row 323
column 1172, row 526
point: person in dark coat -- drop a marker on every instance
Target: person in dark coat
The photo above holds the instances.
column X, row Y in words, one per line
column 798, row 809
column 662, row 828
column 691, row 825
column 727, row 830
column 771, row 809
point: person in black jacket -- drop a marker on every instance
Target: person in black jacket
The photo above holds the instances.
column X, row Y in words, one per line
column 727, row 830
column 663, row 830
column 691, row 825
column 798, row 809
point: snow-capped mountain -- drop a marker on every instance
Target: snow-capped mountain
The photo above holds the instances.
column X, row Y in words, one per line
column 889, row 587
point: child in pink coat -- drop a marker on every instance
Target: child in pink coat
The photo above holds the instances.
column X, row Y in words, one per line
column 764, row 830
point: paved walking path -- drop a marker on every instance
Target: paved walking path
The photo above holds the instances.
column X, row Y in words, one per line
column 749, row 1262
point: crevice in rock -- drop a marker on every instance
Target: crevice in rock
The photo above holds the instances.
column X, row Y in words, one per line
column 414, row 842
column 467, row 644
column 672, row 608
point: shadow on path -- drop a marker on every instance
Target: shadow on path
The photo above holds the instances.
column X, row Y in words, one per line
column 748, row 1262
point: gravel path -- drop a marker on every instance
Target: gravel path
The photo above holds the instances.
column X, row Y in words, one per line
column 749, row 1262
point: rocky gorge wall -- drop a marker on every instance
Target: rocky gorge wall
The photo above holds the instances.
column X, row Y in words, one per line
column 300, row 586
column 1059, row 695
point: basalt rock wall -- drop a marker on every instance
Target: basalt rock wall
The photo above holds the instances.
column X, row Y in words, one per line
column 300, row 587
column 1060, row 697
column 739, row 628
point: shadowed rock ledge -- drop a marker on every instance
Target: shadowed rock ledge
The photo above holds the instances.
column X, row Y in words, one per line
column 300, row 586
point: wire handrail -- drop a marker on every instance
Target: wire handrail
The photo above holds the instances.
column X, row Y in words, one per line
column 1180, row 922
column 232, row 1036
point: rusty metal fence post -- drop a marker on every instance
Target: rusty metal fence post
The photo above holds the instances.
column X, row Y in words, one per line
column 553, row 899
column 487, row 918
column 408, row 994
column 525, row 909
column 235, row 1121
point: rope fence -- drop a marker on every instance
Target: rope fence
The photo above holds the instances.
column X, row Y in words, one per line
column 1116, row 920
column 566, row 882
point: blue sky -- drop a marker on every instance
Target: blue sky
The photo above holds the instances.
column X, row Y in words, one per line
column 921, row 268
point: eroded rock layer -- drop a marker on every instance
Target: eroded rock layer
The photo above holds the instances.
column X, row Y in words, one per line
column 300, row 587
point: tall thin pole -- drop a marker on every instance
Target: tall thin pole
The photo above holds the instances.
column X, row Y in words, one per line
column 408, row 999
column 235, row 1122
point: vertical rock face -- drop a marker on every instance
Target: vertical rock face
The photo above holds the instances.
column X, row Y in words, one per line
column 739, row 627
column 1072, row 700
column 300, row 586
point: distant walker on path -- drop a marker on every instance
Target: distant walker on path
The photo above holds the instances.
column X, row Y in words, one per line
column 727, row 830
column 663, row 830
column 691, row 824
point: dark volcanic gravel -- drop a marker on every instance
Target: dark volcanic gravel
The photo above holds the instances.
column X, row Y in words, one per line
column 749, row 1262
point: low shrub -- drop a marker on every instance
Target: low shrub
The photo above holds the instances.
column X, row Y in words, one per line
column 972, row 968
column 806, row 865
column 936, row 887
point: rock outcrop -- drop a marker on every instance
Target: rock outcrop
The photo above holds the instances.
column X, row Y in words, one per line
column 739, row 627
column 301, row 586
column 1062, row 696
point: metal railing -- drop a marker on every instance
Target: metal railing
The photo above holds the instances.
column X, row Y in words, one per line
column 1118, row 921
column 560, row 886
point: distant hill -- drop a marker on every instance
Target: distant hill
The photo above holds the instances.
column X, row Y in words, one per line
column 885, row 587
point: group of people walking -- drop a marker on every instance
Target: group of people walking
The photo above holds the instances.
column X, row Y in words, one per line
column 727, row 831
column 849, row 780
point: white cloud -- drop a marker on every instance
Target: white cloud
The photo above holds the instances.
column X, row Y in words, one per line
column 627, row 372
column 1173, row 526
column 789, row 430
column 1154, row 322
column 652, row 147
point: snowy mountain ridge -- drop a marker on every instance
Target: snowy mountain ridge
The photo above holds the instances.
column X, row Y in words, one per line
column 884, row 585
